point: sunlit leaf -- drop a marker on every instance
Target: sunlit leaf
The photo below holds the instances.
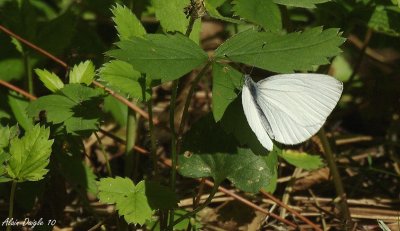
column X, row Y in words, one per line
column 282, row 53
column 29, row 155
column 82, row 73
column 165, row 57
column 226, row 82
column 302, row 159
column 50, row 80
column 263, row 12
column 136, row 203
column 128, row 26
column 302, row 3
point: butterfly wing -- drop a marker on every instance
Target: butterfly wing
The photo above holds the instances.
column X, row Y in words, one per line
column 297, row 105
column 256, row 119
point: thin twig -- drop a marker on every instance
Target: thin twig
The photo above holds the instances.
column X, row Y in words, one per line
column 341, row 194
column 294, row 212
column 17, row 89
column 65, row 65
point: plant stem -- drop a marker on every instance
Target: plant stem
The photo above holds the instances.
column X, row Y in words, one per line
column 11, row 208
column 190, row 214
column 188, row 100
column 341, row 194
column 103, row 151
column 174, row 148
column 130, row 154
column 153, row 154
column 28, row 71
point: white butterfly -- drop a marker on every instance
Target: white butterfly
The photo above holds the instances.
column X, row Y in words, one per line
column 289, row 108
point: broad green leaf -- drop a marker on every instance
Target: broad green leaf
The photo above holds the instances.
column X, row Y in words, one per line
column 11, row 69
column 263, row 12
column 272, row 162
column 172, row 14
column 74, row 105
column 135, row 202
column 82, row 73
column 211, row 7
column 165, row 57
column 282, row 53
column 302, row 159
column 18, row 106
column 386, row 19
column 302, row 3
column 226, row 82
column 128, row 26
column 210, row 152
column 234, row 122
column 50, row 80
column 3, row 172
column 216, row 3
column 155, row 224
column 30, row 155
column 121, row 77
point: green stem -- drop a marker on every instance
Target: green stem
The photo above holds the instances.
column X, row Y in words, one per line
column 103, row 151
column 153, row 155
column 188, row 100
column 330, row 158
column 28, row 72
column 11, row 208
column 174, row 149
column 130, row 155
column 192, row 213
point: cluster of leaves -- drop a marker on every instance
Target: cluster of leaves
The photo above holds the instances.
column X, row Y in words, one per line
column 221, row 145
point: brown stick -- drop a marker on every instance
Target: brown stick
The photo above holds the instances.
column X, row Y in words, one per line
column 65, row 65
column 294, row 212
column 17, row 89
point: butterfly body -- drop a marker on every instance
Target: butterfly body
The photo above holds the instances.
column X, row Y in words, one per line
column 289, row 108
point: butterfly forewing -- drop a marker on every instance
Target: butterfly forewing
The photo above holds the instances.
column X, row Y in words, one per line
column 256, row 119
column 294, row 105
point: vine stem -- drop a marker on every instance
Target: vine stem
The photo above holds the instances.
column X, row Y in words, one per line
column 11, row 207
column 130, row 167
column 202, row 206
column 174, row 143
column 341, row 194
column 153, row 154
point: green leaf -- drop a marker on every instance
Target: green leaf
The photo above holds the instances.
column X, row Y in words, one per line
column 272, row 162
column 121, row 77
column 282, row 53
column 234, row 122
column 386, row 19
column 302, row 159
column 30, row 155
column 302, row 3
column 210, row 152
column 11, row 69
column 128, row 26
column 74, row 105
column 226, row 81
column 82, row 73
column 263, row 12
column 172, row 14
column 18, row 106
column 135, row 202
column 165, row 57
column 211, row 7
column 50, row 80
